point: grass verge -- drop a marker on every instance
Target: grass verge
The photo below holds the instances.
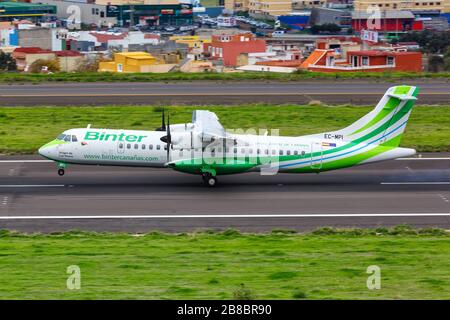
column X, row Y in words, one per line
column 24, row 129
column 234, row 76
column 325, row 264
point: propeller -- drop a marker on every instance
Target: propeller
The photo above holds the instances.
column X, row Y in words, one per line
column 167, row 138
column 163, row 124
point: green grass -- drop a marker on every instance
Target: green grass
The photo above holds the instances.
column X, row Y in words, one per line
column 24, row 129
column 321, row 265
column 178, row 76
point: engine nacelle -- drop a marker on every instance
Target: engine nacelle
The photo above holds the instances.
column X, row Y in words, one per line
column 180, row 127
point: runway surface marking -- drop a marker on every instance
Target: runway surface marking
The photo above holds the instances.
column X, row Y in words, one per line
column 178, row 216
column 197, row 93
column 31, row 185
column 418, row 182
column 435, row 158
column 48, row 161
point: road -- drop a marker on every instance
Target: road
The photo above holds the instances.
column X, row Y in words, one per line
column 34, row 198
column 214, row 92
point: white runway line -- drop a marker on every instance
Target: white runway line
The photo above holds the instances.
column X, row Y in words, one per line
column 31, row 185
column 20, row 161
column 181, row 216
column 418, row 183
column 436, row 158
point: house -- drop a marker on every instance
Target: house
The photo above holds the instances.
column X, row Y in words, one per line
column 26, row 56
column 69, row 61
column 228, row 47
column 134, row 62
column 101, row 40
column 363, row 60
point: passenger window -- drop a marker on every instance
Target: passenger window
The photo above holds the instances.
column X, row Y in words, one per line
column 274, row 152
column 128, row 146
column 303, row 153
column 258, row 151
column 158, row 147
column 288, row 153
column 74, row 138
column 266, row 151
column 165, row 147
column 281, row 152
column 296, row 152
column 150, row 147
column 143, row 147
column 136, row 146
column 235, row 150
column 121, row 145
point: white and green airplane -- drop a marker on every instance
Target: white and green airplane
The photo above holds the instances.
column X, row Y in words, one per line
column 205, row 148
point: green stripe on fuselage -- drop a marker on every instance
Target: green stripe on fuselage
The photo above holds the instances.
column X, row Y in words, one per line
column 387, row 109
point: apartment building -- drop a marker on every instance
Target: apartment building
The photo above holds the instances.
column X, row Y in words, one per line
column 272, row 8
column 260, row 8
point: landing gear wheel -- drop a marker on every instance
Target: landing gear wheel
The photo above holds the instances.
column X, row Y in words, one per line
column 209, row 180
column 61, row 172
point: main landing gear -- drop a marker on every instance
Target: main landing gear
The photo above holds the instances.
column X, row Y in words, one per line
column 209, row 179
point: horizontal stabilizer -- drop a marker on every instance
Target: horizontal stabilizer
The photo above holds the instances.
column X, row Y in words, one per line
column 402, row 97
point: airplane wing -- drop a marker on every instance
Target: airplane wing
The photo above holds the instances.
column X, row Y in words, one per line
column 208, row 124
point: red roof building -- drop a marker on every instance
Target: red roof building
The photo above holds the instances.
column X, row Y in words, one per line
column 364, row 60
column 228, row 47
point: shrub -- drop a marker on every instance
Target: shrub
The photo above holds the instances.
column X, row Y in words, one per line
column 38, row 65
column 243, row 293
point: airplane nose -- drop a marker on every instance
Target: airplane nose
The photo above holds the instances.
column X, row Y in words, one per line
column 45, row 151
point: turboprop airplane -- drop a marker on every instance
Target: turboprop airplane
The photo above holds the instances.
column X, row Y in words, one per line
column 205, row 148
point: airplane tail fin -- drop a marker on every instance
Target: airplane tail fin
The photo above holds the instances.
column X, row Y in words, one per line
column 386, row 123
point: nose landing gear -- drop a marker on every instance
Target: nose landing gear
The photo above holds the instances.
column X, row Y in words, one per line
column 61, row 167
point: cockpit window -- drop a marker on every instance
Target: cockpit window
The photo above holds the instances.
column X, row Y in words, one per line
column 74, row 138
column 61, row 136
column 67, row 138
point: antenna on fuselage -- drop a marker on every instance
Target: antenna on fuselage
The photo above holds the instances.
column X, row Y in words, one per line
column 88, row 126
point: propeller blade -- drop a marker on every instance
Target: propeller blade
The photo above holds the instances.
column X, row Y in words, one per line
column 163, row 123
column 169, row 137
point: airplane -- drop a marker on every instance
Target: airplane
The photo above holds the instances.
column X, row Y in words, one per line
column 203, row 147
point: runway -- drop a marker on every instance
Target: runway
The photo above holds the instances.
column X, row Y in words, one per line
column 360, row 92
column 34, row 198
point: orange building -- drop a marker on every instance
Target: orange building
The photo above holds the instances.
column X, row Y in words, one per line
column 364, row 60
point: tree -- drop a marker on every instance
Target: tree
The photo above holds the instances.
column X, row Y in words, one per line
column 326, row 27
column 447, row 59
column 38, row 66
column 435, row 63
column 7, row 62
column 435, row 42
